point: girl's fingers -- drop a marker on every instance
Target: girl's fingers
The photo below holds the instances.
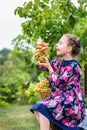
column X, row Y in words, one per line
column 46, row 64
column 46, row 59
column 39, row 63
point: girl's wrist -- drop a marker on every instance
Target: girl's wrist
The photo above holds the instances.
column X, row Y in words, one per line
column 50, row 69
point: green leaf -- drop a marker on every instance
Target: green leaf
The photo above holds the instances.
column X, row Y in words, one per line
column 46, row 1
column 29, row 5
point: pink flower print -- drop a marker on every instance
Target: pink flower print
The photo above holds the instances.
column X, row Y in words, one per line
column 75, row 82
column 76, row 115
column 78, row 90
column 71, row 124
column 75, row 78
column 62, row 87
column 79, row 96
column 54, row 94
column 50, row 78
column 54, row 77
column 59, row 110
column 52, row 103
column 46, row 102
column 64, row 76
column 70, row 68
column 57, row 117
column 70, row 111
column 76, row 109
column 59, row 93
column 79, row 115
column 63, row 69
column 69, row 97
column 65, row 121
column 57, row 81
column 58, row 99
column 79, row 105
column 68, row 122
column 78, row 70
column 55, row 66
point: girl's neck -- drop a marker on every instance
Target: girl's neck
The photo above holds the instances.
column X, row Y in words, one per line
column 68, row 57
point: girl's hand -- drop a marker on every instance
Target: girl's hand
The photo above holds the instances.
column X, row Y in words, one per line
column 46, row 65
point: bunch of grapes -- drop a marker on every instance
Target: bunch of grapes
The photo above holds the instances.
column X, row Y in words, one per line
column 41, row 50
column 43, row 86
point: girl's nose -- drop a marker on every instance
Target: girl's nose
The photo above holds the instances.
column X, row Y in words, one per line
column 57, row 45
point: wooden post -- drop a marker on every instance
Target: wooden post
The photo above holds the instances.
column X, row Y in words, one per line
column 85, row 80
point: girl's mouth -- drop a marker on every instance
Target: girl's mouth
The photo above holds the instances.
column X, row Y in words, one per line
column 58, row 49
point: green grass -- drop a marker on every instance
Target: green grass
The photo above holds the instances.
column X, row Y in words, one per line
column 17, row 117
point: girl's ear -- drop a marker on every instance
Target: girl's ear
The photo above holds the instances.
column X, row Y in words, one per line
column 69, row 49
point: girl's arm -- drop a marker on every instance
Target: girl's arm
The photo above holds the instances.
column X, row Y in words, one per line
column 52, row 63
column 64, row 77
column 71, row 74
column 57, row 80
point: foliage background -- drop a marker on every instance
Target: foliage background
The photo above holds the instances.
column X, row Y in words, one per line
column 49, row 19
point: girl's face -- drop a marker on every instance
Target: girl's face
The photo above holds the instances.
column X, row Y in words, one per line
column 62, row 46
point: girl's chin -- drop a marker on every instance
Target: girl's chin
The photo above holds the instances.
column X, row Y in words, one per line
column 58, row 53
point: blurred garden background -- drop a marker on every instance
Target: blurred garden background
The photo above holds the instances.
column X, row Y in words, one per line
column 49, row 19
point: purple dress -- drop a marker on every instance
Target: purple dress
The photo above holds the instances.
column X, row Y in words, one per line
column 66, row 106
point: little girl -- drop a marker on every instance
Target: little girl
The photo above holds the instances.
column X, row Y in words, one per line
column 66, row 107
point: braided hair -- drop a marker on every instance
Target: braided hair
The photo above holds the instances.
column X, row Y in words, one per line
column 74, row 41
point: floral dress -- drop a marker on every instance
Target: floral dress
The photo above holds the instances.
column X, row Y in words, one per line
column 66, row 106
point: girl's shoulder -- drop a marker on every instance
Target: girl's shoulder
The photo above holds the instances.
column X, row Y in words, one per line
column 73, row 62
column 59, row 61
